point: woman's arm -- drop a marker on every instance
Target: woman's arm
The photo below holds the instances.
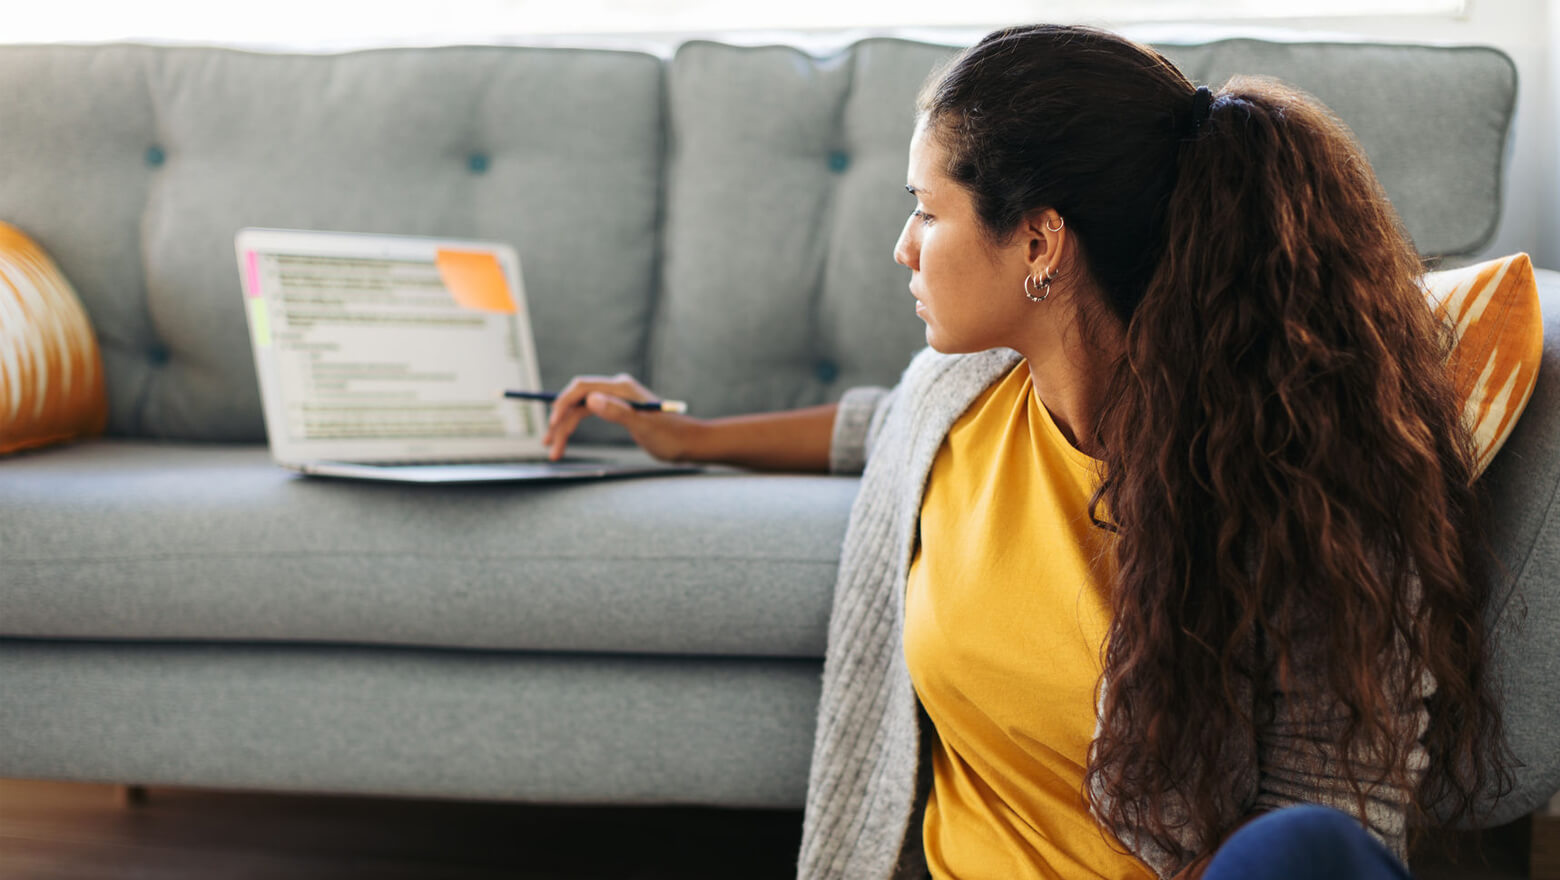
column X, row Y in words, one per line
column 789, row 440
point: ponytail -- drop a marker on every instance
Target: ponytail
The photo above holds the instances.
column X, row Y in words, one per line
column 1292, row 480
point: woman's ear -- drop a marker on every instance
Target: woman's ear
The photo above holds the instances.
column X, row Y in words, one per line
column 1045, row 235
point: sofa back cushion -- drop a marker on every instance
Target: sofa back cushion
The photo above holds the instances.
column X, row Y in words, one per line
column 135, row 165
column 785, row 193
column 1432, row 119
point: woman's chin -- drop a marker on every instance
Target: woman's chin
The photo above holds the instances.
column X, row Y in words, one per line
column 942, row 345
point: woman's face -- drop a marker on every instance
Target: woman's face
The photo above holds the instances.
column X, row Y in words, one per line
column 967, row 290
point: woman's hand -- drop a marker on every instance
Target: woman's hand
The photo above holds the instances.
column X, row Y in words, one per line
column 664, row 435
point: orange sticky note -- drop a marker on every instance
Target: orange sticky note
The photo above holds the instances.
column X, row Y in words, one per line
column 476, row 280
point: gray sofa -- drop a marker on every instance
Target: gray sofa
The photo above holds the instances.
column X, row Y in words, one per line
column 174, row 609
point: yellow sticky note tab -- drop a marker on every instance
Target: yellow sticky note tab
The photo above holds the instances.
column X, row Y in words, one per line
column 476, row 280
column 260, row 320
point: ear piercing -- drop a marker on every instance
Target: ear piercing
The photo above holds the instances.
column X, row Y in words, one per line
column 1042, row 285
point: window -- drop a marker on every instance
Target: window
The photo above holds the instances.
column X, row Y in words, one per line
column 305, row 22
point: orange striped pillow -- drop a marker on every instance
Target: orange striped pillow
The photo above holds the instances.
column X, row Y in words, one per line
column 1500, row 340
column 51, row 374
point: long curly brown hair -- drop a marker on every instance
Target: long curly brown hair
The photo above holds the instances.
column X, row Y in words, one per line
column 1285, row 463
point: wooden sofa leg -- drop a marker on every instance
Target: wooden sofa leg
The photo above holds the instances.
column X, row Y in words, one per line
column 1544, row 861
column 132, row 795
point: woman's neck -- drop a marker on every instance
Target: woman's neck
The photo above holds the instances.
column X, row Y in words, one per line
column 1070, row 377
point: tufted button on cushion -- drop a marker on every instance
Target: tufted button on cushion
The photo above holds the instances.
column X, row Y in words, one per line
column 826, row 371
column 839, row 160
column 157, row 354
column 478, row 163
column 155, row 156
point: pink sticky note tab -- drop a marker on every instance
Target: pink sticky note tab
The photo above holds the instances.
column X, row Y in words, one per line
column 254, row 273
column 475, row 280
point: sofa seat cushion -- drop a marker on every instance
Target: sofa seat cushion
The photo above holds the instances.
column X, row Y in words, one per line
column 144, row 541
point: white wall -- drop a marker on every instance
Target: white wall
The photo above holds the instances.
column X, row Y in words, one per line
column 1550, row 227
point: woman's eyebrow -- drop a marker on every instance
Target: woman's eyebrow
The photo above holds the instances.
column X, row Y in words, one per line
column 915, row 190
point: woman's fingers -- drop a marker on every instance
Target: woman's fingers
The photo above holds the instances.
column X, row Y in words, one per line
column 598, row 404
column 622, row 386
column 571, row 396
column 605, row 397
column 613, row 409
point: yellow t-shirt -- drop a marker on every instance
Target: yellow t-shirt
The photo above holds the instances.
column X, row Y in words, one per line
column 1006, row 610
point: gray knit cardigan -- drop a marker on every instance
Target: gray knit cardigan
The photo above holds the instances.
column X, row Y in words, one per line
column 871, row 767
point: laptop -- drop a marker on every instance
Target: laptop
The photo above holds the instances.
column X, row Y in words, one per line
column 384, row 357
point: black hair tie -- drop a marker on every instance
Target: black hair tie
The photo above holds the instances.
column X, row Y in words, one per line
column 1202, row 105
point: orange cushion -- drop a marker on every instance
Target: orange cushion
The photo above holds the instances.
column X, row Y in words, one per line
column 51, row 374
column 1500, row 341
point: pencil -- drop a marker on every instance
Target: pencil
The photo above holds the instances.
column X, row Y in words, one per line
column 671, row 406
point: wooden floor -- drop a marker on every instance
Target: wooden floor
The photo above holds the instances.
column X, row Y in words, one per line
column 72, row 831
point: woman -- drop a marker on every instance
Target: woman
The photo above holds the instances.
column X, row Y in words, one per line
column 1165, row 556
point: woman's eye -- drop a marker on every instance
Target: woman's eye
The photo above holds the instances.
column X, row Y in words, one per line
column 926, row 219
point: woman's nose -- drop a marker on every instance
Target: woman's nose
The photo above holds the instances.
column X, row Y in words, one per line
column 906, row 250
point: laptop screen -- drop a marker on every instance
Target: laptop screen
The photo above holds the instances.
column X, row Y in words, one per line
column 389, row 348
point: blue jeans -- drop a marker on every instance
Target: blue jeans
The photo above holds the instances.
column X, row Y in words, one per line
column 1304, row 843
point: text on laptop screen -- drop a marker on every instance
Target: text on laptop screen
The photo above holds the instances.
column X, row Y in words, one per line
column 377, row 348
